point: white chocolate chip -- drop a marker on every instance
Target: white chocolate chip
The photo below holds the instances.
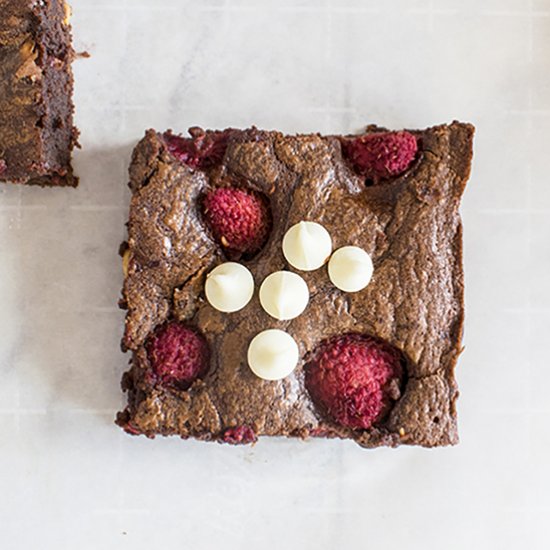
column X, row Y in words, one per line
column 284, row 295
column 273, row 354
column 307, row 246
column 229, row 287
column 350, row 269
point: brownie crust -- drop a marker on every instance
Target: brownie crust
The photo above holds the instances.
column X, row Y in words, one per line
column 411, row 228
column 36, row 84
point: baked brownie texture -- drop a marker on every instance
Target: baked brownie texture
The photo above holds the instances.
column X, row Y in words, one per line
column 36, row 85
column 410, row 316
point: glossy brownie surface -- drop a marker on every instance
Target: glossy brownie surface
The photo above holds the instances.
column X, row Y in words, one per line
column 409, row 224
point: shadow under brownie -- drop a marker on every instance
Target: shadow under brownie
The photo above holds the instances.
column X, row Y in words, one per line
column 406, row 219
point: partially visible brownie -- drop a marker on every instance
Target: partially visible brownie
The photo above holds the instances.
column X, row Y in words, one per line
column 394, row 194
column 36, row 84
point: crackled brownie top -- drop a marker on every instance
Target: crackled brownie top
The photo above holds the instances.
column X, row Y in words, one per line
column 401, row 208
column 36, row 84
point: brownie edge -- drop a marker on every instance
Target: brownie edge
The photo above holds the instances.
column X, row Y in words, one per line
column 37, row 135
column 409, row 224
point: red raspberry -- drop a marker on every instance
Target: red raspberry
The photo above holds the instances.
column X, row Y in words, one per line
column 131, row 429
column 201, row 150
column 239, row 219
column 178, row 355
column 355, row 379
column 240, row 435
column 383, row 154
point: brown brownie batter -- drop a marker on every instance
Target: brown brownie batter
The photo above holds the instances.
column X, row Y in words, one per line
column 36, row 84
column 410, row 226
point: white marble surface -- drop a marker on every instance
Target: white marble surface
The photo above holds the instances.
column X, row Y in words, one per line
column 70, row 479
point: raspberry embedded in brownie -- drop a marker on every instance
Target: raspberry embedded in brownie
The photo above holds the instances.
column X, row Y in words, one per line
column 200, row 150
column 178, row 355
column 355, row 379
column 381, row 155
column 375, row 360
column 240, row 435
column 239, row 219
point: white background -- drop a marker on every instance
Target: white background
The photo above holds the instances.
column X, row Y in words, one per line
column 70, row 479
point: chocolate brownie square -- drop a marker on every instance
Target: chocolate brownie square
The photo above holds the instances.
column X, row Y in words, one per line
column 361, row 346
column 36, row 85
